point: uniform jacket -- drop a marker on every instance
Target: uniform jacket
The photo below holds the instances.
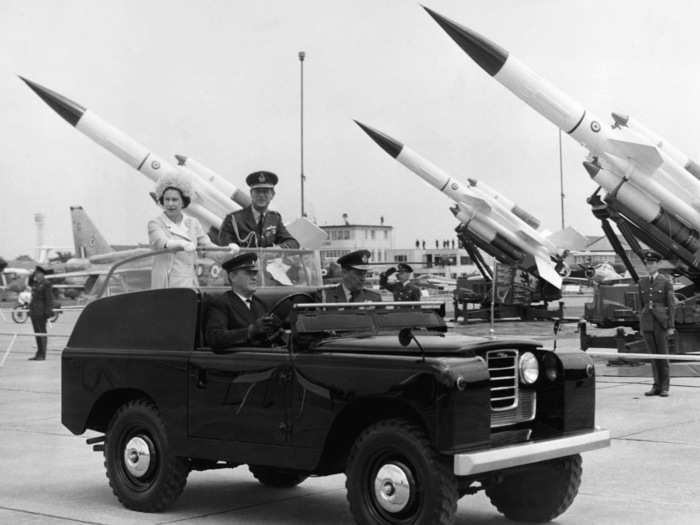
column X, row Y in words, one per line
column 41, row 304
column 336, row 294
column 657, row 303
column 401, row 292
column 160, row 231
column 248, row 235
column 228, row 319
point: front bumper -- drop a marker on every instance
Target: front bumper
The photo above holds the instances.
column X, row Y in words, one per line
column 470, row 463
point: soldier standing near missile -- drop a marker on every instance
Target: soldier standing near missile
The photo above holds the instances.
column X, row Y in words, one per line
column 403, row 289
column 354, row 266
column 656, row 319
column 173, row 230
column 256, row 226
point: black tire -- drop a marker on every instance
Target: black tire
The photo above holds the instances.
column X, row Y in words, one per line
column 280, row 478
column 154, row 478
column 395, row 476
column 538, row 493
column 20, row 314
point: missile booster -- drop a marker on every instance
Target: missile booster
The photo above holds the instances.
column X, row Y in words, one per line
column 220, row 183
column 209, row 205
column 486, row 214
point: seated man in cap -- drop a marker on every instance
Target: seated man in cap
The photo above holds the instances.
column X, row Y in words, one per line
column 238, row 317
column 403, row 290
column 256, row 226
column 353, row 268
column 656, row 319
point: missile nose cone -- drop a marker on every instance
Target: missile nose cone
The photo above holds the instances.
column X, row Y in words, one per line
column 181, row 159
column 620, row 120
column 488, row 55
column 69, row 110
column 591, row 168
column 391, row 146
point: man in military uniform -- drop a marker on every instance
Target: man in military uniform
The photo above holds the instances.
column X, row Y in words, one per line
column 40, row 309
column 402, row 289
column 238, row 317
column 256, row 226
column 353, row 269
column 656, row 319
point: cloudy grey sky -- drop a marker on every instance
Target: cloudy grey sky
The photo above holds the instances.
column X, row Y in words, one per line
column 219, row 81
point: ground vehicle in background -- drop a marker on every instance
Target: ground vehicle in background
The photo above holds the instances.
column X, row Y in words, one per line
column 414, row 416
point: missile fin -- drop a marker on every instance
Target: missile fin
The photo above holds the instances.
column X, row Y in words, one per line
column 546, row 271
column 480, row 205
column 646, row 156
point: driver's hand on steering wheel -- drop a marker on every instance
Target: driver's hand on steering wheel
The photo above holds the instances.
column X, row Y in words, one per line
column 266, row 325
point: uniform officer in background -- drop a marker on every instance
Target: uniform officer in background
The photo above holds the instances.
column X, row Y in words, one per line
column 256, row 226
column 403, row 289
column 656, row 319
column 353, row 270
column 238, row 317
column 40, row 309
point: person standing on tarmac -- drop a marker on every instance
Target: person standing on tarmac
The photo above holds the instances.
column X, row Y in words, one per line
column 402, row 289
column 353, row 268
column 256, row 226
column 40, row 309
column 656, row 319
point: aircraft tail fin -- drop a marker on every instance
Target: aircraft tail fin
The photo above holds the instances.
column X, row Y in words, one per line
column 88, row 240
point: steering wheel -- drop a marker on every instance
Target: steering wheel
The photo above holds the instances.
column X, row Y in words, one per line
column 283, row 306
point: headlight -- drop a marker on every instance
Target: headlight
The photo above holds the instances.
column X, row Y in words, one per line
column 529, row 368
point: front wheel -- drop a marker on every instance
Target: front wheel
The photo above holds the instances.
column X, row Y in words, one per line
column 395, row 477
column 142, row 471
column 539, row 492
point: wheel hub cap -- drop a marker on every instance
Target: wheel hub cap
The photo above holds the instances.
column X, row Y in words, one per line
column 392, row 488
column 137, row 456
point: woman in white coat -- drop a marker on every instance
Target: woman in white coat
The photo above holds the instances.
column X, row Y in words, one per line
column 174, row 230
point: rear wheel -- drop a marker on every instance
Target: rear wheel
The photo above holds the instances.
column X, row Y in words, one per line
column 277, row 477
column 538, row 493
column 395, row 477
column 142, row 471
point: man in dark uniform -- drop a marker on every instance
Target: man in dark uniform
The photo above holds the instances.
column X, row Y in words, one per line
column 656, row 319
column 40, row 309
column 256, row 226
column 403, row 290
column 353, row 269
column 238, row 317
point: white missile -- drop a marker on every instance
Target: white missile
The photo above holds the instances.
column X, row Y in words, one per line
column 206, row 206
column 220, row 183
column 484, row 216
column 647, row 166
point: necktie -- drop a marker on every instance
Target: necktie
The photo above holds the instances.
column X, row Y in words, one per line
column 354, row 294
column 260, row 228
column 249, row 303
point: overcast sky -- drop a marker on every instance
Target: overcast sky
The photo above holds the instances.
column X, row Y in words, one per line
column 219, row 81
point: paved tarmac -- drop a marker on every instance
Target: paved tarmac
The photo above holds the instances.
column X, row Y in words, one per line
column 48, row 476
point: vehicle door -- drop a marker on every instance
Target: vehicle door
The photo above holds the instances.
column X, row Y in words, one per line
column 240, row 396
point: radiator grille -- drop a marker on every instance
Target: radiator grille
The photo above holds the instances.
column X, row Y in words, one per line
column 503, row 373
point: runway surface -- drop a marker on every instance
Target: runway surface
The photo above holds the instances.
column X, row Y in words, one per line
column 49, row 476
